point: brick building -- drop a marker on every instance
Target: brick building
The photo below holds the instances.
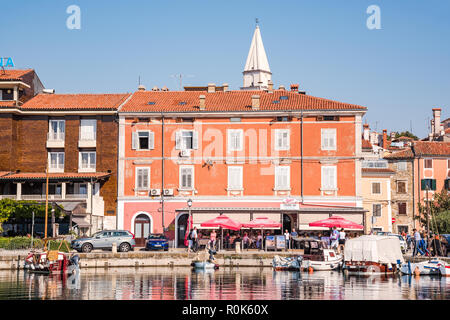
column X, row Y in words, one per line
column 75, row 135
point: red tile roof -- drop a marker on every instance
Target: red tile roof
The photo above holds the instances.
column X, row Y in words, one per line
column 3, row 173
column 13, row 75
column 403, row 154
column 7, row 104
column 75, row 101
column 65, row 175
column 431, row 148
column 188, row 101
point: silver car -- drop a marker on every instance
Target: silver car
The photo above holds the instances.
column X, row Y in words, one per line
column 104, row 240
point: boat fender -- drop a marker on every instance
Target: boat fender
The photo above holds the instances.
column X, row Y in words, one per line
column 389, row 266
column 310, row 270
column 417, row 271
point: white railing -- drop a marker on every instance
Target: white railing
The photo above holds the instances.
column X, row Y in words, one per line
column 8, row 196
column 55, row 136
column 88, row 136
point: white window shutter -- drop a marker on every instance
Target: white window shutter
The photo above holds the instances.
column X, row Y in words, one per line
column 195, row 140
column 178, row 140
column 151, row 141
column 134, row 141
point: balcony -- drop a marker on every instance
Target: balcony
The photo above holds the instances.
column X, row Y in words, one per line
column 78, row 196
column 87, row 167
column 87, row 140
column 41, row 197
column 55, row 139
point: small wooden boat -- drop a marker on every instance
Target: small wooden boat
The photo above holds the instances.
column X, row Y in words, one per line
column 286, row 263
column 52, row 261
column 318, row 256
column 372, row 254
column 205, row 265
column 430, row 267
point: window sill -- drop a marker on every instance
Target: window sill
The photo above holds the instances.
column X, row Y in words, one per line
column 235, row 189
column 281, row 189
column 328, row 189
column 86, row 170
column 50, row 170
column 186, row 189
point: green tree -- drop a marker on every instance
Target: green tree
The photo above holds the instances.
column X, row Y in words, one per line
column 439, row 207
column 406, row 134
column 19, row 210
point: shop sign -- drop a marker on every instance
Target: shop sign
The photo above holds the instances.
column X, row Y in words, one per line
column 6, row 62
column 289, row 204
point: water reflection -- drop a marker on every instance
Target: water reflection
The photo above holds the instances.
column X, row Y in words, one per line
column 223, row 284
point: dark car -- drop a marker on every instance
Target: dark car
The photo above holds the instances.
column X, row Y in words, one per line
column 157, row 241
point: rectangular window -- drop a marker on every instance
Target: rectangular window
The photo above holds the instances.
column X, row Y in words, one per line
column 235, row 178
column 376, row 210
column 56, row 130
column 428, row 163
column 282, row 177
column 329, row 178
column 88, row 129
column 54, row 188
column 186, row 140
column 402, row 166
column 376, row 187
column 235, row 119
column 328, row 139
column 402, row 208
column 143, row 140
column 142, row 178
column 235, row 139
column 282, row 139
column 56, row 160
column 186, row 177
column 87, row 160
column 401, row 186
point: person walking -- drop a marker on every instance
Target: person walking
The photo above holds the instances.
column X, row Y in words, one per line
column 212, row 239
column 334, row 238
column 341, row 239
column 416, row 242
column 286, row 237
column 294, row 234
column 190, row 241
column 259, row 240
column 246, row 241
column 194, row 237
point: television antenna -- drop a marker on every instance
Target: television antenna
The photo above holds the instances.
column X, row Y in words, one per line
column 180, row 78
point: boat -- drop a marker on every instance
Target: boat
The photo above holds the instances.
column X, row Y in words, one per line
column 205, row 265
column 318, row 256
column 286, row 263
column 430, row 267
column 50, row 262
column 372, row 254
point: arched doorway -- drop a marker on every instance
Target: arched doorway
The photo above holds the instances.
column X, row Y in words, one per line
column 141, row 229
column 287, row 223
column 181, row 229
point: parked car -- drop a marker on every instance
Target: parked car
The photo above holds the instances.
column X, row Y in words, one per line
column 403, row 244
column 104, row 240
column 157, row 241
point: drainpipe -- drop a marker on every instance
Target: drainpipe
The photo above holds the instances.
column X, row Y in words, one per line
column 414, row 193
column 418, row 186
column 162, row 172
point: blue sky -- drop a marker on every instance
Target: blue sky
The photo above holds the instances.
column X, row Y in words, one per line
column 399, row 72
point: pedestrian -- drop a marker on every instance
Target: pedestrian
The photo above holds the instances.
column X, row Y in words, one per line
column 259, row 240
column 212, row 239
column 226, row 241
column 334, row 238
column 341, row 239
column 194, row 238
column 416, row 242
column 246, row 241
column 190, row 241
column 286, row 237
column 294, row 234
column 436, row 246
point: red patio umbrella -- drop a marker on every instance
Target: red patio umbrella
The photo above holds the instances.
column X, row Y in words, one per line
column 336, row 221
column 261, row 222
column 222, row 222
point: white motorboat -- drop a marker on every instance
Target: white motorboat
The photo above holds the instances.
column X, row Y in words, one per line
column 430, row 267
column 205, row 265
column 286, row 263
column 318, row 256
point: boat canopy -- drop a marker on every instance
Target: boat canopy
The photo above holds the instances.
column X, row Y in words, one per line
column 380, row 249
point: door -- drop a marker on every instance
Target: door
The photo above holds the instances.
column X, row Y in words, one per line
column 182, row 227
column 141, row 229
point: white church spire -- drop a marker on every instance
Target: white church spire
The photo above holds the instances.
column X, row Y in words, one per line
column 256, row 71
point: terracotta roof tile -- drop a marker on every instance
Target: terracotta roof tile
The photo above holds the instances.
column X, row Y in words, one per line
column 431, row 148
column 402, row 154
column 7, row 104
column 75, row 101
column 13, row 75
column 188, row 101
column 65, row 175
column 3, row 173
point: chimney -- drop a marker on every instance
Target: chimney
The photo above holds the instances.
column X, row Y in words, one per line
column 436, row 124
column 384, row 139
column 211, row 87
column 155, row 88
column 366, row 132
column 294, row 87
column 202, row 102
column 164, row 88
column 392, row 135
column 255, row 102
column 48, row 91
column 270, row 86
column 141, row 87
column 282, row 87
column 225, row 87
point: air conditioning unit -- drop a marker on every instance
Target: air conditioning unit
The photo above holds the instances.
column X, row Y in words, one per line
column 185, row 153
column 168, row 192
column 155, row 192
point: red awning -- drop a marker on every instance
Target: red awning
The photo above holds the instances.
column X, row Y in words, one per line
column 262, row 222
column 336, row 221
column 222, row 222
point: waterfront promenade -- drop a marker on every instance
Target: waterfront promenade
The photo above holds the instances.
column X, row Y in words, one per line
column 173, row 258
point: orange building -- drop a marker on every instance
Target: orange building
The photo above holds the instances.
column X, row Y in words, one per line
column 282, row 154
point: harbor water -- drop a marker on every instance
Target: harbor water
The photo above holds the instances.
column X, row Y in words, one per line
column 223, row 284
